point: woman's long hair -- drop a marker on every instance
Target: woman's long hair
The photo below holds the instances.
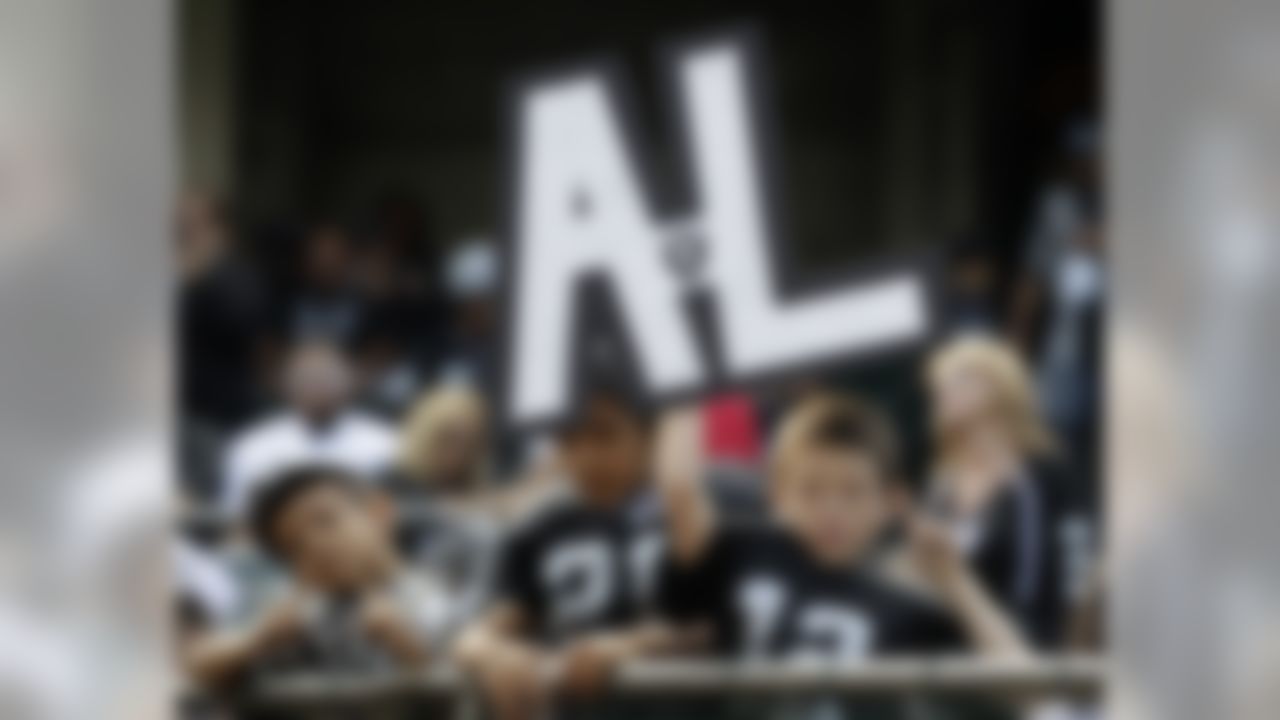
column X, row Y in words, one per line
column 1010, row 381
column 433, row 408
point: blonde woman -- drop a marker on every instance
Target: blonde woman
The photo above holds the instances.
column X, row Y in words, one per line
column 444, row 455
column 996, row 480
column 453, row 512
column 444, row 443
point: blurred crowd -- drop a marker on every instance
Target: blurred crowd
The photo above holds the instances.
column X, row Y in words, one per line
column 350, row 502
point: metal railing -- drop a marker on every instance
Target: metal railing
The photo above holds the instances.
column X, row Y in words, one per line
column 1077, row 677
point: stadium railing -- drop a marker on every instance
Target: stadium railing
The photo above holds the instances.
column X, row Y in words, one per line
column 1074, row 677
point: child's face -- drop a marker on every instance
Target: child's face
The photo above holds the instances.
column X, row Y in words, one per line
column 334, row 539
column 833, row 500
column 605, row 451
column 317, row 380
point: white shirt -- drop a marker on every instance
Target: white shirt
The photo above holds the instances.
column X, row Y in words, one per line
column 362, row 444
column 200, row 576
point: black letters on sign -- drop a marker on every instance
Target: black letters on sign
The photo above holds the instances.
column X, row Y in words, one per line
column 581, row 215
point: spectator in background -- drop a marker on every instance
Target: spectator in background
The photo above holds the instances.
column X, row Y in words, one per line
column 445, row 457
column 221, row 334
column 1070, row 367
column 471, row 283
column 1068, row 201
column 995, row 482
column 453, row 509
column 324, row 303
column 318, row 424
column 1057, row 313
column 471, row 352
column 970, row 287
column 407, row 323
column 399, row 323
column 401, row 222
column 441, row 482
column 443, row 444
column 348, row 604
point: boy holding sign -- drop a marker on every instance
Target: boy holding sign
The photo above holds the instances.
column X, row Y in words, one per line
column 798, row 585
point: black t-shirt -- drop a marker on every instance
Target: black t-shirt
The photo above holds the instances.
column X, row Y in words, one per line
column 765, row 597
column 572, row 568
column 1018, row 552
column 220, row 330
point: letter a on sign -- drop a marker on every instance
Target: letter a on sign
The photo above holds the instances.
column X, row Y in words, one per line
column 582, row 209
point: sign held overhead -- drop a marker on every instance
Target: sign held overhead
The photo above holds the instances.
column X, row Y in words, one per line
column 582, row 209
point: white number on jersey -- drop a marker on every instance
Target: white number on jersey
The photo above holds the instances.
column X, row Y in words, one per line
column 833, row 632
column 582, row 576
column 824, row 630
column 760, row 601
column 644, row 554
column 579, row 575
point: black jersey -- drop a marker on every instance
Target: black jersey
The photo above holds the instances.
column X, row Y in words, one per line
column 1017, row 549
column 572, row 568
column 1020, row 547
column 765, row 597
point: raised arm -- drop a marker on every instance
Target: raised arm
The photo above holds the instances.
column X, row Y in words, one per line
column 679, row 473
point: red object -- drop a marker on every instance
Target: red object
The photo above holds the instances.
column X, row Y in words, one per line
column 731, row 428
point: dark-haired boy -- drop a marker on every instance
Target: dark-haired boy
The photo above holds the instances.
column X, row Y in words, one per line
column 349, row 604
column 799, row 585
column 576, row 580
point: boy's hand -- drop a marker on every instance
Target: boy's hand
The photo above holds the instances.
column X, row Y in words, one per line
column 511, row 677
column 935, row 555
column 215, row 658
column 588, row 664
column 380, row 618
column 282, row 623
column 383, row 621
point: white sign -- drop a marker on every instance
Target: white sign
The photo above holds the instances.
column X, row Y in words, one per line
column 582, row 208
